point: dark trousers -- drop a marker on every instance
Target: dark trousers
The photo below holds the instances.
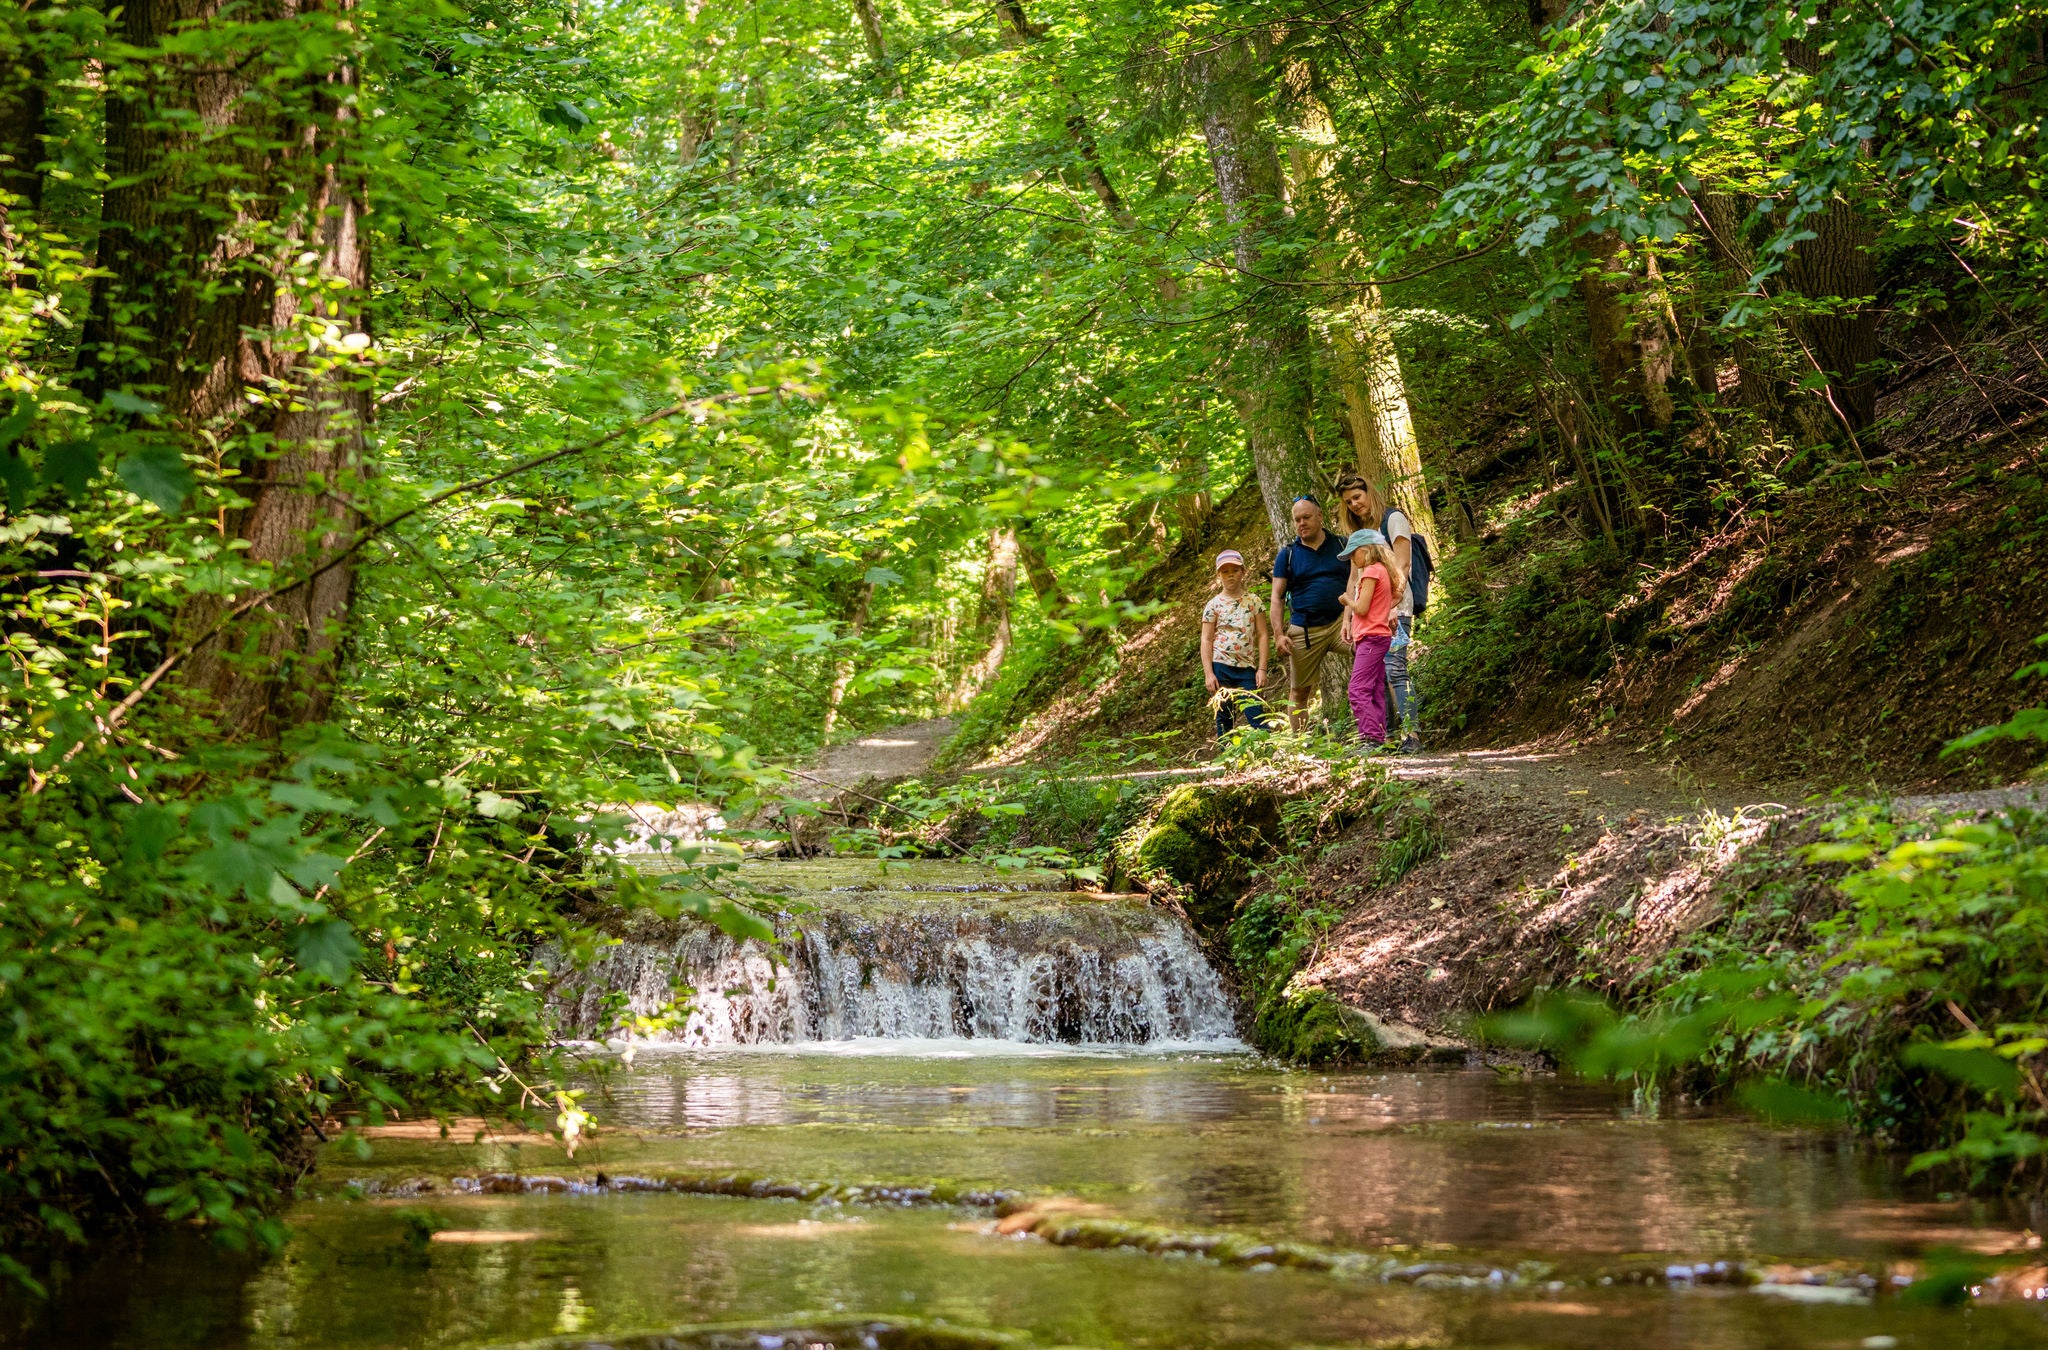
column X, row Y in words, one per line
column 1235, row 678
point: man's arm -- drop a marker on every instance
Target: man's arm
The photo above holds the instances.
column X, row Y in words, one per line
column 1274, row 618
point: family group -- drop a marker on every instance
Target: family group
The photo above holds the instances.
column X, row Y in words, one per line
column 1358, row 592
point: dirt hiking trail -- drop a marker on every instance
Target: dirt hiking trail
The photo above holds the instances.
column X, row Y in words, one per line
column 893, row 752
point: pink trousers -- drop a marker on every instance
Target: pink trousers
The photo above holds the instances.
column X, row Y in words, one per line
column 1369, row 687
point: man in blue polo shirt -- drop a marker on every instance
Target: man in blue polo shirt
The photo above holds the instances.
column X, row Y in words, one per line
column 1312, row 577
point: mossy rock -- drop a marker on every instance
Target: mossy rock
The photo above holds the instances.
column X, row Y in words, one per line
column 1314, row 1026
column 1203, row 840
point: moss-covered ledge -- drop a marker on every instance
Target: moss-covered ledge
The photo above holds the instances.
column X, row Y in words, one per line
column 1314, row 1026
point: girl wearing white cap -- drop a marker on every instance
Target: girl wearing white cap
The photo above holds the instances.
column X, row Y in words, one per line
column 1232, row 629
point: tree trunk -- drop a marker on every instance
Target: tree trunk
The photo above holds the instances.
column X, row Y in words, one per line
column 198, row 309
column 1268, row 377
column 1045, row 583
column 1760, row 382
column 196, row 170
column 1632, row 350
column 878, row 49
column 23, row 80
column 1834, row 267
column 843, row 667
column 1362, row 356
column 1013, row 29
column 992, row 617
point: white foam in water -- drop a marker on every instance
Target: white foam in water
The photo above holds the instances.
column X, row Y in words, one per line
column 946, row 1047
column 937, row 970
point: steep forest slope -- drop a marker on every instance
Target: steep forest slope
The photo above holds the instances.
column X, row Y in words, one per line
column 1839, row 634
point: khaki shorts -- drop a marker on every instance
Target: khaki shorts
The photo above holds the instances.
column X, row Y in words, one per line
column 1310, row 646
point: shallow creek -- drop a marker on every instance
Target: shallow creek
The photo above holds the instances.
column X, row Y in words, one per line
column 1427, row 1207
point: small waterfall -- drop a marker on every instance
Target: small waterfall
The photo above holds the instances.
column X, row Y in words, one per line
column 940, row 953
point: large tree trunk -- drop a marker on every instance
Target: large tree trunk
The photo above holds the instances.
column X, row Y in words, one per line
column 1631, row 346
column 1835, row 267
column 1268, row 378
column 1361, row 350
column 199, row 308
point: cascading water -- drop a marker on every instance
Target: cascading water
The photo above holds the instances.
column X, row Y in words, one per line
column 916, row 950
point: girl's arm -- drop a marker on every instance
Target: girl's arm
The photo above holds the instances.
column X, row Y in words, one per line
column 1265, row 637
column 1364, row 601
column 1208, row 644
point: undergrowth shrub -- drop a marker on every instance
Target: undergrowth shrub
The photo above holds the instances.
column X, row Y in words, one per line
column 1549, row 622
column 1056, row 817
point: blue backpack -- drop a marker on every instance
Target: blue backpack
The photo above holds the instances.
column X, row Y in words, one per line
column 1420, row 564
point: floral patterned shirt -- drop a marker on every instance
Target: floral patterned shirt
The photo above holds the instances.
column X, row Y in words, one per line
column 1235, row 643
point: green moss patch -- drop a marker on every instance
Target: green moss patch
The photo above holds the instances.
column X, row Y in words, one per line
column 1314, row 1026
column 1202, row 843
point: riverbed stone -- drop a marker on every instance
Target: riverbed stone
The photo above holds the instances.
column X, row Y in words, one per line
column 1314, row 1026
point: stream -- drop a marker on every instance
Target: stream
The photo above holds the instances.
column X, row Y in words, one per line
column 969, row 1109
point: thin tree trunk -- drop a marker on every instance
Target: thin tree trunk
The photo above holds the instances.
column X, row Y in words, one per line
column 992, row 617
column 24, row 78
column 1045, row 583
column 1268, row 377
column 843, row 667
column 878, row 49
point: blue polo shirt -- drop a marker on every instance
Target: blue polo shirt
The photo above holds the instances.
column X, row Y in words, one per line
column 1315, row 579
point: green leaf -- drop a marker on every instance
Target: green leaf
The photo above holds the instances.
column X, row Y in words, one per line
column 306, row 797
column 69, row 467
column 490, row 804
column 157, row 473
column 741, row 923
column 120, row 400
column 1786, row 1103
column 326, row 947
column 1979, row 1069
column 17, row 422
column 18, row 478
column 148, row 830
column 562, row 113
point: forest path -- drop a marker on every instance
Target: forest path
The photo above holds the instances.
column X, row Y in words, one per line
column 892, row 752
column 1605, row 779
column 1601, row 778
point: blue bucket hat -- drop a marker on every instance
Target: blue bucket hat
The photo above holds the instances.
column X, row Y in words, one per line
column 1359, row 539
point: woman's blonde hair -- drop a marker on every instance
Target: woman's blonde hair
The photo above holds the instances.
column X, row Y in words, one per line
column 1375, row 500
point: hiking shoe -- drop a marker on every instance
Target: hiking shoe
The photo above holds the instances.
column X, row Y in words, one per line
column 1411, row 745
